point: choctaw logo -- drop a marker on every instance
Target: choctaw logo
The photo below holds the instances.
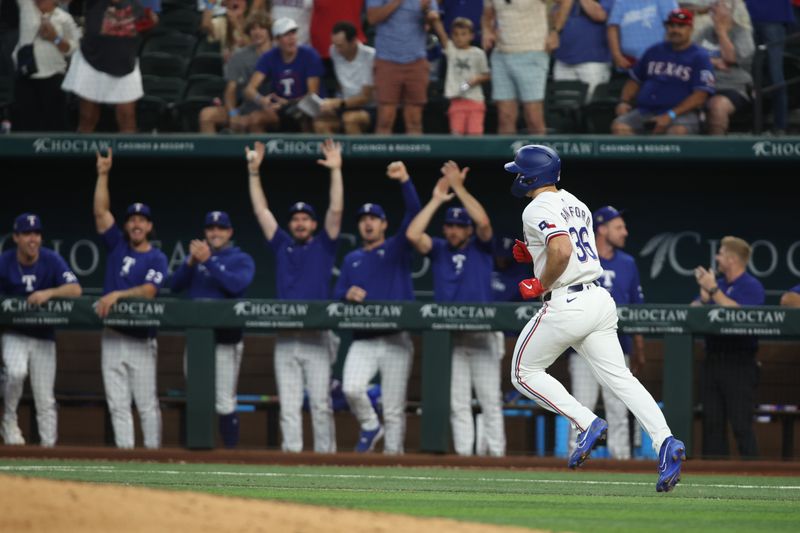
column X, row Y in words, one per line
column 647, row 314
column 745, row 316
column 47, row 145
column 457, row 311
column 11, row 305
column 248, row 308
column 776, row 149
column 364, row 311
column 283, row 146
column 136, row 308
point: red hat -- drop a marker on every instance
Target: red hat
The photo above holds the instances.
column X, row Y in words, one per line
column 680, row 16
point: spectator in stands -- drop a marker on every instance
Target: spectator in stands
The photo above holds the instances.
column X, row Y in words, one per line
column 517, row 31
column 582, row 53
column 401, row 67
column 634, row 26
column 228, row 29
column 791, row 298
column 300, row 12
column 729, row 42
column 293, row 71
column 235, row 111
column 450, row 10
column 467, row 70
column 771, row 18
column 9, row 35
column 104, row 70
column 353, row 63
column 53, row 35
column 730, row 370
column 671, row 83
column 326, row 14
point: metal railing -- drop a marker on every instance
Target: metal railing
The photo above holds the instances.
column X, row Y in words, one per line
column 759, row 91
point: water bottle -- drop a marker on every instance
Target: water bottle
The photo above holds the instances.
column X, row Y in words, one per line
column 5, row 126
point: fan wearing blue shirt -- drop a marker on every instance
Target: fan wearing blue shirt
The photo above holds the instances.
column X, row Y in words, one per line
column 730, row 369
column 791, row 298
column 215, row 269
column 303, row 269
column 134, row 269
column 36, row 274
column 462, row 272
column 379, row 270
column 621, row 278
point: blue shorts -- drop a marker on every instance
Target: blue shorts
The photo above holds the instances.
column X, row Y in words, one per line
column 519, row 76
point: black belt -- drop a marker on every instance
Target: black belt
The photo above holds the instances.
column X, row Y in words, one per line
column 571, row 289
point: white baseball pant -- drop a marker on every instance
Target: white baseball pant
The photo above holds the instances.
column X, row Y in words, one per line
column 303, row 362
column 392, row 356
column 129, row 370
column 228, row 359
column 21, row 353
column 586, row 389
column 476, row 363
column 586, row 321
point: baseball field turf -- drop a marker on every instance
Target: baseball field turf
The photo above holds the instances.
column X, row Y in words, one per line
column 553, row 500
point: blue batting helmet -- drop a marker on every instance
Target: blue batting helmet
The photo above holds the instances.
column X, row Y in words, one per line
column 535, row 166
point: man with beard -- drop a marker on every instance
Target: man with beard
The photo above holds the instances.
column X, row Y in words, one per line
column 37, row 274
column 303, row 265
column 216, row 269
column 134, row 269
column 379, row 270
column 462, row 272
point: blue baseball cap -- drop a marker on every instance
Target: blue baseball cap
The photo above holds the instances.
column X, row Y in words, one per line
column 219, row 219
column 458, row 216
column 606, row 214
column 139, row 208
column 371, row 209
column 27, row 222
column 302, row 207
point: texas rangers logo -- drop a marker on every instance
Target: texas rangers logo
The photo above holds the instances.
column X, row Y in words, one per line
column 138, row 207
column 215, row 215
column 458, row 261
column 29, row 280
column 127, row 264
column 31, row 220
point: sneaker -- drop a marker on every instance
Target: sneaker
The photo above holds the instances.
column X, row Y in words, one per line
column 12, row 436
column 587, row 441
column 368, row 439
column 672, row 453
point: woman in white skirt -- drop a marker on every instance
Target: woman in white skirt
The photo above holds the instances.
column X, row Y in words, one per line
column 105, row 69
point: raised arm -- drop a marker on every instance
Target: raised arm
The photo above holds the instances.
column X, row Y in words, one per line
column 594, row 10
column 103, row 219
column 397, row 171
column 376, row 15
column 455, row 178
column 333, row 162
column 265, row 217
column 415, row 233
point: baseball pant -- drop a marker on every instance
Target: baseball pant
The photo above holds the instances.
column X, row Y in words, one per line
column 476, row 363
column 586, row 389
column 391, row 355
column 587, row 322
column 303, row 362
column 129, row 370
column 22, row 353
column 228, row 359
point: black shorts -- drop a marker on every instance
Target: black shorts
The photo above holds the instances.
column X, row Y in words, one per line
column 738, row 100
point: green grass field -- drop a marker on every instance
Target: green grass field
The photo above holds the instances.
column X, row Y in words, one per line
column 561, row 501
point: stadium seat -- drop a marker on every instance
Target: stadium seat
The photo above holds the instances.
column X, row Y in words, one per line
column 206, row 63
column 183, row 20
column 563, row 103
column 204, row 46
column 600, row 111
column 162, row 64
column 155, row 110
column 200, row 92
column 174, row 43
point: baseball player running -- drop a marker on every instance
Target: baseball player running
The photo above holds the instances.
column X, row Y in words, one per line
column 621, row 278
column 38, row 274
column 462, row 272
column 134, row 269
column 380, row 270
column 215, row 269
column 304, row 265
column 560, row 243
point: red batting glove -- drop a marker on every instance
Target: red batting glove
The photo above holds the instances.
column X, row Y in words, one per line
column 521, row 253
column 530, row 288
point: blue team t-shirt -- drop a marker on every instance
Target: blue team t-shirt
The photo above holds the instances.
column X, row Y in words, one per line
column 289, row 80
column 49, row 271
column 744, row 290
column 462, row 275
column 770, row 10
column 640, row 22
column 401, row 37
column 582, row 39
column 621, row 278
column 303, row 270
column 667, row 76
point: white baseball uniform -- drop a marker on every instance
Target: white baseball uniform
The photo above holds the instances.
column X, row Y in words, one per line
column 577, row 313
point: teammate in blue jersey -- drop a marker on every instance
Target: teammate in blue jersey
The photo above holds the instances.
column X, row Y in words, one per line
column 216, row 269
column 303, row 268
column 134, row 269
column 670, row 84
column 36, row 274
column 462, row 272
column 621, row 278
column 380, row 270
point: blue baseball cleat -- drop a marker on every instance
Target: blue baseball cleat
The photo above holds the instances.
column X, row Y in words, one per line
column 672, row 453
column 368, row 439
column 587, row 441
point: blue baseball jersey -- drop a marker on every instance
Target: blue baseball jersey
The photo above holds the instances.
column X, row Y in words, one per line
column 49, row 271
column 126, row 268
column 462, row 275
column 667, row 77
column 621, row 278
column 383, row 272
column 288, row 80
column 226, row 274
column 744, row 290
column 303, row 270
